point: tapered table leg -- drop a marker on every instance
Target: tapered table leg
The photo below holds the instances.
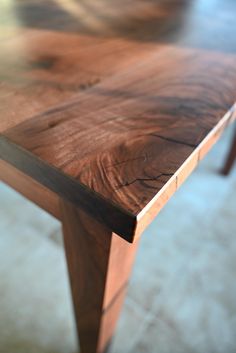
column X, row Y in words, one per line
column 99, row 264
column 231, row 157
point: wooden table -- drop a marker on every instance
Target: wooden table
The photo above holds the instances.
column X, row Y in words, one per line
column 106, row 107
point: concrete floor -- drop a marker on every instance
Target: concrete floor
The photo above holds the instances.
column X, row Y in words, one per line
column 182, row 295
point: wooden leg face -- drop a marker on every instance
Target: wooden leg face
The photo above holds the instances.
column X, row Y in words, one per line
column 99, row 264
column 231, row 157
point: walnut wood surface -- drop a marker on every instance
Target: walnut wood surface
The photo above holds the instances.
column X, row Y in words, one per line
column 111, row 104
column 99, row 264
column 31, row 189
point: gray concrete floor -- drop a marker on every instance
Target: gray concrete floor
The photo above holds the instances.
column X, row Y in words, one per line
column 182, row 295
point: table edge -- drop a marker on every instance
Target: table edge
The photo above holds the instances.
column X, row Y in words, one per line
column 120, row 221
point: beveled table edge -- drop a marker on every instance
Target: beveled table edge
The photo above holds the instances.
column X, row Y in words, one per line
column 149, row 212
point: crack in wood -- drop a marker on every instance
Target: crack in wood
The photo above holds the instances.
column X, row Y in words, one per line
column 118, row 187
column 174, row 141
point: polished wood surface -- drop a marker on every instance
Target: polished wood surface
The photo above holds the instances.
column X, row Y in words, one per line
column 111, row 104
column 106, row 107
column 99, row 264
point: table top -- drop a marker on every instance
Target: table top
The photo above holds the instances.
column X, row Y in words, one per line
column 111, row 104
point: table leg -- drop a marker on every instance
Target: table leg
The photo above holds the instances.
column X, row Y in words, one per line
column 99, row 264
column 231, row 157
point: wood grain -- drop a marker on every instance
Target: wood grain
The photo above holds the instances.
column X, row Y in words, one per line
column 99, row 264
column 115, row 111
column 29, row 188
